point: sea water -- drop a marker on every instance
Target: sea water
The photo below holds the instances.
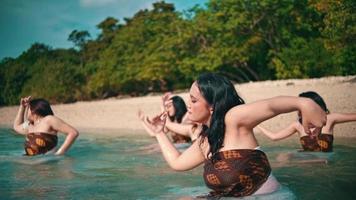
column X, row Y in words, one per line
column 130, row 166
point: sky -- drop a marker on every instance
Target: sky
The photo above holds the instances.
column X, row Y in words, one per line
column 24, row 22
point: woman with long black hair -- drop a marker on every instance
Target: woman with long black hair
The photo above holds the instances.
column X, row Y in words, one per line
column 234, row 165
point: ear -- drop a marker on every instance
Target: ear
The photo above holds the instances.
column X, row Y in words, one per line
column 211, row 109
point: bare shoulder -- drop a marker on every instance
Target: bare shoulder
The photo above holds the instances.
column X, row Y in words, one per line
column 52, row 119
column 234, row 115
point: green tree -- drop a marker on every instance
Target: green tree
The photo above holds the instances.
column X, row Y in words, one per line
column 79, row 38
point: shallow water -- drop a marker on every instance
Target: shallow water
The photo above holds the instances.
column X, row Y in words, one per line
column 128, row 167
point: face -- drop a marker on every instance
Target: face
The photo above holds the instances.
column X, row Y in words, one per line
column 170, row 109
column 30, row 115
column 198, row 108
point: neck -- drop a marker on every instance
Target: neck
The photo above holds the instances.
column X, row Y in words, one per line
column 207, row 122
column 37, row 120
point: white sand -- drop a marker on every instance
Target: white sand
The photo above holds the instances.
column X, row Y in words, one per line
column 117, row 116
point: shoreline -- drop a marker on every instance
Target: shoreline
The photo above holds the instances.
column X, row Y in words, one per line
column 117, row 116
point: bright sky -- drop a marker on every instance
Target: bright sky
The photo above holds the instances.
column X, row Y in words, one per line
column 24, row 22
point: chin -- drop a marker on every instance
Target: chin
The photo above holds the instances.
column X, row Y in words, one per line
column 191, row 118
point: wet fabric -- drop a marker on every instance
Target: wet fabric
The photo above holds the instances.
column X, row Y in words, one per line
column 39, row 143
column 323, row 142
column 236, row 173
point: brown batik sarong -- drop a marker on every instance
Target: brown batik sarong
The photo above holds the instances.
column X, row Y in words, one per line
column 180, row 138
column 236, row 173
column 39, row 143
column 323, row 142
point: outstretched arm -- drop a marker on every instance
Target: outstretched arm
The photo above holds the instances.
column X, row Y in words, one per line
column 181, row 129
column 60, row 126
column 19, row 120
column 250, row 115
column 284, row 133
column 190, row 130
column 145, row 123
column 338, row 118
column 187, row 160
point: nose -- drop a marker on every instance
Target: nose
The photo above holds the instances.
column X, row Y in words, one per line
column 188, row 105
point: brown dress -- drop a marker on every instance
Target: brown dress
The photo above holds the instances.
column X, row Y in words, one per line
column 236, row 173
column 323, row 142
column 180, row 138
column 39, row 143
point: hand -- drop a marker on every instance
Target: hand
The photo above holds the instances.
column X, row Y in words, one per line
column 158, row 123
column 315, row 132
column 166, row 96
column 25, row 101
column 58, row 153
column 314, row 118
column 141, row 115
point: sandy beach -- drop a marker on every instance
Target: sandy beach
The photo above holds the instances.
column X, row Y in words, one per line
column 118, row 116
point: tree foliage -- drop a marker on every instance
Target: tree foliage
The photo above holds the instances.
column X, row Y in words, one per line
column 161, row 49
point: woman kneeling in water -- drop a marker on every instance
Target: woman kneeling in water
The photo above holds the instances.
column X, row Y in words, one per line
column 233, row 164
column 322, row 141
column 42, row 127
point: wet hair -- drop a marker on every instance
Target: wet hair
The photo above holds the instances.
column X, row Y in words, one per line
column 179, row 107
column 316, row 98
column 40, row 107
column 221, row 95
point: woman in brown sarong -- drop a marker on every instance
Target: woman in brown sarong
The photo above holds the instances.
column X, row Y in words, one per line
column 178, row 127
column 233, row 164
column 320, row 141
column 41, row 128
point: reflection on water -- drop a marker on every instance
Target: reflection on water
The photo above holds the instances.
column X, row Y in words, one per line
column 124, row 167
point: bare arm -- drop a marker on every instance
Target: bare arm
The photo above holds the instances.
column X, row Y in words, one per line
column 145, row 123
column 284, row 133
column 70, row 132
column 189, row 159
column 181, row 129
column 19, row 119
column 250, row 115
column 338, row 118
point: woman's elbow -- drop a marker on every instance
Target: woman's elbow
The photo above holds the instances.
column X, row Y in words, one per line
column 14, row 128
column 74, row 134
column 17, row 129
column 177, row 168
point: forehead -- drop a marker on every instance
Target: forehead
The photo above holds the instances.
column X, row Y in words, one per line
column 194, row 91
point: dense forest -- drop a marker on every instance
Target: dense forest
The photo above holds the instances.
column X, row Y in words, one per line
column 161, row 49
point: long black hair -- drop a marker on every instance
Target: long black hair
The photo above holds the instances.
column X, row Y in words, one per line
column 221, row 95
column 316, row 98
column 40, row 107
column 179, row 107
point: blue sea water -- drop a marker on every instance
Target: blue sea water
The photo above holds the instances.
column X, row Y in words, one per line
column 130, row 167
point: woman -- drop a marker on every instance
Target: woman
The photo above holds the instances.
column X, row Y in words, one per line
column 323, row 141
column 42, row 127
column 181, row 130
column 233, row 163
column 176, row 110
